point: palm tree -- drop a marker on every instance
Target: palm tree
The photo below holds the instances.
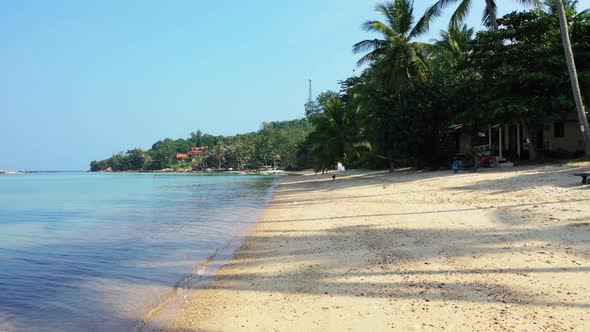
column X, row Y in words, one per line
column 551, row 6
column 489, row 14
column 397, row 57
column 454, row 43
column 336, row 137
column 571, row 65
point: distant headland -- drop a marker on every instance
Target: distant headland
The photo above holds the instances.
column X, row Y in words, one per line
column 11, row 172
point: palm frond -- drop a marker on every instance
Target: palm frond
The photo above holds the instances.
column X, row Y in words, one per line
column 403, row 13
column 461, row 13
column 385, row 11
column 421, row 61
column 421, row 47
column 531, row 3
column 378, row 26
column 457, row 37
column 369, row 58
column 423, row 24
column 442, row 4
column 444, row 43
column 489, row 15
column 368, row 45
column 364, row 144
column 551, row 6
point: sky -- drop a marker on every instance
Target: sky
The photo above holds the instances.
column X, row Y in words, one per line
column 81, row 80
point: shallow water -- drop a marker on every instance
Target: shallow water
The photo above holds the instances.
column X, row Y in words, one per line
column 81, row 251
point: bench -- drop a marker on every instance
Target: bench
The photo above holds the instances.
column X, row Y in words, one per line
column 584, row 175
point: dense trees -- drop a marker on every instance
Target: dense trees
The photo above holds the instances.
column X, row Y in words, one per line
column 412, row 92
column 276, row 143
column 337, row 136
column 398, row 111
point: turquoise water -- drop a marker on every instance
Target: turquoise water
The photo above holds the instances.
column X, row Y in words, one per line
column 81, row 251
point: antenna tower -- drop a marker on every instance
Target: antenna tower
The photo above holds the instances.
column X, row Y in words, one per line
column 310, row 97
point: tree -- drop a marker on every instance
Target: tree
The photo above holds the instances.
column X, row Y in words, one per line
column 397, row 57
column 454, row 44
column 196, row 138
column 315, row 107
column 336, row 136
column 571, row 65
column 244, row 149
column 489, row 15
column 136, row 158
column 163, row 154
column 218, row 153
column 522, row 72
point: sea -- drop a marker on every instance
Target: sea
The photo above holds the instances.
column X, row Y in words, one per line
column 99, row 251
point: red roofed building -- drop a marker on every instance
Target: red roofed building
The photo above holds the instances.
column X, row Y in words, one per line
column 198, row 150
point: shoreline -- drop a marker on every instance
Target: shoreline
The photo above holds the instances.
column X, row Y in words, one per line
column 200, row 277
column 492, row 250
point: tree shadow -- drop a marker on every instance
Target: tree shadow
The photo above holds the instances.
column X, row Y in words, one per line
column 387, row 258
column 531, row 176
column 331, row 275
column 381, row 258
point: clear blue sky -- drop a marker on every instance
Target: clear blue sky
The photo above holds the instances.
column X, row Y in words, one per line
column 80, row 80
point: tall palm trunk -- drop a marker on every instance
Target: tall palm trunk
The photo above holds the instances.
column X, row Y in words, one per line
column 571, row 65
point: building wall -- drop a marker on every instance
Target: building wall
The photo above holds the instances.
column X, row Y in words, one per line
column 571, row 141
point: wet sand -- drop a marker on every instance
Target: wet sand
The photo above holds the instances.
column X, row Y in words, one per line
column 496, row 250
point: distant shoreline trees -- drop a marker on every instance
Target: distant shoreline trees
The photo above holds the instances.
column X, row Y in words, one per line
column 398, row 111
column 275, row 144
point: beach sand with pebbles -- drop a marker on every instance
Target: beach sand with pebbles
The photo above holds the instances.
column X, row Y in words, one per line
column 493, row 250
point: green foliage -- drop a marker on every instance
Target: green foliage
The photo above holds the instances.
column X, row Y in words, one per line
column 337, row 136
column 523, row 68
column 132, row 159
column 276, row 143
column 412, row 92
column 398, row 111
column 453, row 46
column 397, row 57
column 464, row 7
column 314, row 107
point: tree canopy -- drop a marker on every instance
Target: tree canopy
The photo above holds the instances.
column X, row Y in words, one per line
column 398, row 111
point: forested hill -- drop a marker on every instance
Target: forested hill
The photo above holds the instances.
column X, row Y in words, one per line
column 276, row 143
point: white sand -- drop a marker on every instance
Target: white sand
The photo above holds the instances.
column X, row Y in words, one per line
column 485, row 251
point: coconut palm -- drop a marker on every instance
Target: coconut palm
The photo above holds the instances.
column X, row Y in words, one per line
column 336, row 137
column 569, row 6
column 489, row 14
column 454, row 43
column 397, row 57
column 551, row 5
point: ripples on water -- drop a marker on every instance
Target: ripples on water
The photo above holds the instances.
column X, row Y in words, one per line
column 85, row 251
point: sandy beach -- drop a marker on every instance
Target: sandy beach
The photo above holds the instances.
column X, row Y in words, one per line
column 496, row 250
